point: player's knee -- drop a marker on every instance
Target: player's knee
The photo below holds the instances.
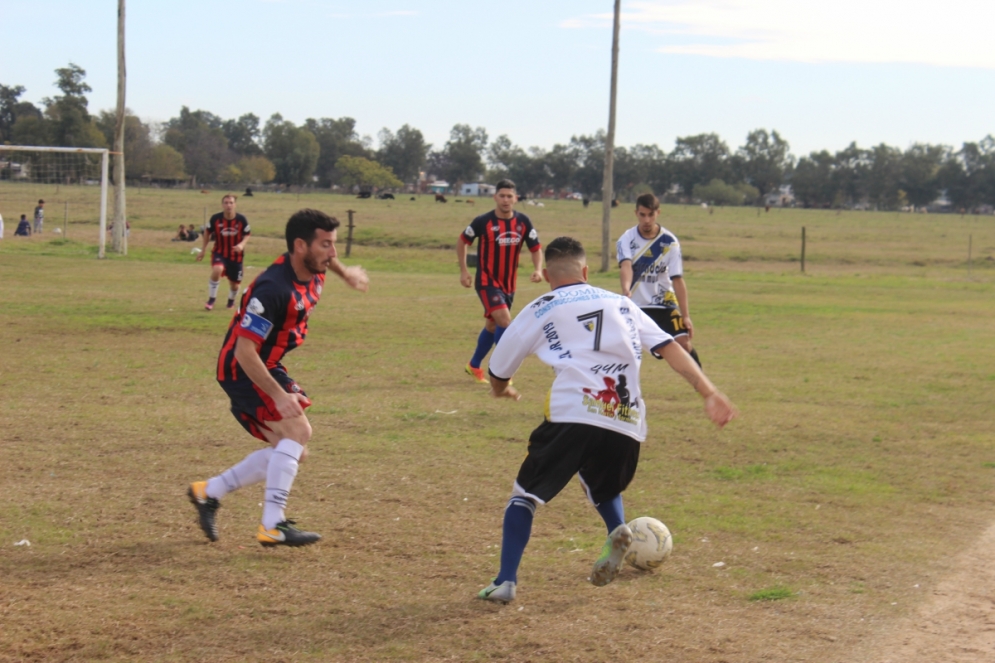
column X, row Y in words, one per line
column 502, row 317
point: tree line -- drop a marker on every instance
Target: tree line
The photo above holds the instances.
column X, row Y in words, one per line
column 201, row 147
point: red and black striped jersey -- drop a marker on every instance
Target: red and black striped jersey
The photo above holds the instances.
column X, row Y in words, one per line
column 273, row 314
column 500, row 243
column 227, row 233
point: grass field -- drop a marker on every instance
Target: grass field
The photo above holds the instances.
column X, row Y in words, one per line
column 863, row 459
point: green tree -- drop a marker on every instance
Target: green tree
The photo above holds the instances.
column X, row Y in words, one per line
column 589, row 159
column 367, row 174
column 198, row 136
column 765, row 160
column 464, row 154
column 243, row 135
column 699, row 159
column 166, row 163
column 67, row 114
column 884, row 172
column 256, row 169
column 526, row 169
column 813, row 181
column 850, row 174
column 9, row 95
column 404, row 152
column 293, row 150
column 920, row 173
column 336, row 138
column 718, row 192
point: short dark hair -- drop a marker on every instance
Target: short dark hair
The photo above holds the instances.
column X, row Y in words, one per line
column 233, row 197
column 649, row 201
column 41, row 202
column 565, row 247
column 504, row 184
column 305, row 223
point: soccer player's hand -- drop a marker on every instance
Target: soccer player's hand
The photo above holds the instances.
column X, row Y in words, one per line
column 357, row 278
column 507, row 392
column 536, row 277
column 720, row 409
column 689, row 326
column 200, row 256
column 238, row 248
column 289, row 405
column 465, row 279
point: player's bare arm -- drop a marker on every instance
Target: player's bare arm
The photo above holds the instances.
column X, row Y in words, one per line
column 625, row 277
column 247, row 355
column 718, row 407
column 203, row 247
column 503, row 389
column 537, row 267
column 681, row 292
column 240, row 247
column 354, row 276
column 465, row 279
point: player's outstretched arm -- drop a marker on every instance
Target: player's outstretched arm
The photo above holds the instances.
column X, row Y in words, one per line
column 203, row 247
column 464, row 274
column 718, row 407
column 625, row 277
column 537, row 264
column 355, row 276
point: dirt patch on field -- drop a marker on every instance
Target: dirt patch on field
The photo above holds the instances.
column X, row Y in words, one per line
column 956, row 624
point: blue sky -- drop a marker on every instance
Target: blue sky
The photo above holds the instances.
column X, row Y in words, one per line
column 820, row 73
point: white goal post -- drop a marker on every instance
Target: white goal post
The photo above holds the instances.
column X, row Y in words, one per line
column 7, row 163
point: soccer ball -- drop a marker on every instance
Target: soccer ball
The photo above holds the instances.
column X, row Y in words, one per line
column 651, row 543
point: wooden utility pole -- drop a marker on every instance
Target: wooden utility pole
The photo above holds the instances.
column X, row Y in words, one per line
column 120, row 218
column 608, row 190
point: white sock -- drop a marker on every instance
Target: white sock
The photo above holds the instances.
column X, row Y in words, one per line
column 212, row 288
column 232, row 294
column 279, row 478
column 251, row 470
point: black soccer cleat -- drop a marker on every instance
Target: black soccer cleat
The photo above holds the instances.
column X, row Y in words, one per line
column 285, row 534
column 206, row 507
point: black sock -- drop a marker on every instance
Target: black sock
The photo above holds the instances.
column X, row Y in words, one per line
column 694, row 355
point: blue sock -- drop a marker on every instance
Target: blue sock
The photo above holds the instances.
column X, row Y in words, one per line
column 484, row 343
column 612, row 513
column 498, row 333
column 517, row 530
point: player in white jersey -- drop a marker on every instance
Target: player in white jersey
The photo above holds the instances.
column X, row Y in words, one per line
column 595, row 416
column 652, row 273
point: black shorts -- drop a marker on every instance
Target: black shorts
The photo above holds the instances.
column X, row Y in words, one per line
column 494, row 298
column 605, row 459
column 232, row 268
column 252, row 406
column 668, row 319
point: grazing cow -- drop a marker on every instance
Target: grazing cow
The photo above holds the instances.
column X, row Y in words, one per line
column 614, row 202
column 386, row 196
column 471, row 202
column 586, row 201
column 412, row 197
column 364, row 195
column 439, row 198
column 458, row 200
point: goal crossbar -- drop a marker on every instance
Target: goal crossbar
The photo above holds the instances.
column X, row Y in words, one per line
column 104, row 164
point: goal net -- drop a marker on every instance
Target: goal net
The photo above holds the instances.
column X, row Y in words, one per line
column 72, row 182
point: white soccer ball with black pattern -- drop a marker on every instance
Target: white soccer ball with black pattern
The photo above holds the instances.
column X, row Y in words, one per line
column 651, row 543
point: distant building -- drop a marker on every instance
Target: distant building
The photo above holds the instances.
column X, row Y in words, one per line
column 476, row 189
column 438, row 186
column 782, row 197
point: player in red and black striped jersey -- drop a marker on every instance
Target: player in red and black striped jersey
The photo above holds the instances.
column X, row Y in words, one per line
column 230, row 232
column 500, row 234
column 271, row 321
